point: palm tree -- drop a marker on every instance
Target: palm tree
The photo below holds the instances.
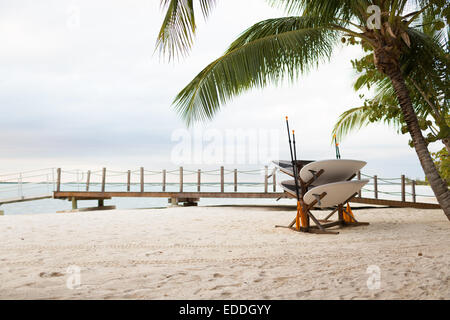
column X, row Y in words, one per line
column 283, row 48
column 428, row 84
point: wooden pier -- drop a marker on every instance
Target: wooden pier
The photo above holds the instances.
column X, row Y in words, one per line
column 24, row 199
column 191, row 198
column 396, row 203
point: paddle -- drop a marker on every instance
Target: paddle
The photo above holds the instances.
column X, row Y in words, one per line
column 294, row 168
column 338, row 153
column 299, row 213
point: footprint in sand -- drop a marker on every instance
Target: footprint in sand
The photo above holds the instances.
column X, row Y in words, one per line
column 225, row 286
column 281, row 279
column 149, row 254
column 304, row 293
column 51, row 274
column 197, row 291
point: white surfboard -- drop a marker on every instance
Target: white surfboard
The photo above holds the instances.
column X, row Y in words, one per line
column 289, row 187
column 283, row 163
column 337, row 192
column 285, row 166
column 334, row 170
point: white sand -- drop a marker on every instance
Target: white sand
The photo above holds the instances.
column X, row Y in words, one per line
column 222, row 253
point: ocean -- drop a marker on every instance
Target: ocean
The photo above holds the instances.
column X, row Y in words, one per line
column 15, row 190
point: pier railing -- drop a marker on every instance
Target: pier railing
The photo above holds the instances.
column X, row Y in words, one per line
column 27, row 185
column 142, row 178
column 221, row 182
column 223, row 178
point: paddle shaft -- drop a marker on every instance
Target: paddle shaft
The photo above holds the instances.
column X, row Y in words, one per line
column 295, row 151
column 293, row 162
column 297, row 220
column 294, row 169
column 338, row 152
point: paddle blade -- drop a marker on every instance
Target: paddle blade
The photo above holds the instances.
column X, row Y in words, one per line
column 348, row 214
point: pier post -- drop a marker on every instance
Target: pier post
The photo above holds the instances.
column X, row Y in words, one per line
column 53, row 179
column 359, row 178
column 403, row 188
column 266, row 179
column 164, row 174
column 375, row 186
column 20, row 186
column 142, row 179
column 222, row 180
column 174, row 201
column 413, row 187
column 88, row 180
column 74, row 203
column 274, row 181
column 199, row 180
column 235, row 180
column 58, row 180
column 181, row 179
column 129, row 181
column 103, row 179
column 48, row 184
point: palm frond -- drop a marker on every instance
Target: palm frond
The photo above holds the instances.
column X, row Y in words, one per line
column 351, row 120
column 427, row 63
column 356, row 118
column 268, row 52
column 178, row 29
column 327, row 10
column 370, row 77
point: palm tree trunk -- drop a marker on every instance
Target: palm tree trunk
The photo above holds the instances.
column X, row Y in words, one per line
column 438, row 185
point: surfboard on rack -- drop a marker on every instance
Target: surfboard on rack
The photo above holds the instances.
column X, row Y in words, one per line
column 336, row 193
column 334, row 170
column 285, row 166
column 289, row 187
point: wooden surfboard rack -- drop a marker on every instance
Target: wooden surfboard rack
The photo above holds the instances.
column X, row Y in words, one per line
column 322, row 226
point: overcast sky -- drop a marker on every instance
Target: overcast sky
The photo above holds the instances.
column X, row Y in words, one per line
column 81, row 87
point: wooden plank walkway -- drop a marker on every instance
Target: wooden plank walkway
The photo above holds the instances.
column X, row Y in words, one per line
column 24, row 199
column 396, row 203
column 75, row 195
column 179, row 195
